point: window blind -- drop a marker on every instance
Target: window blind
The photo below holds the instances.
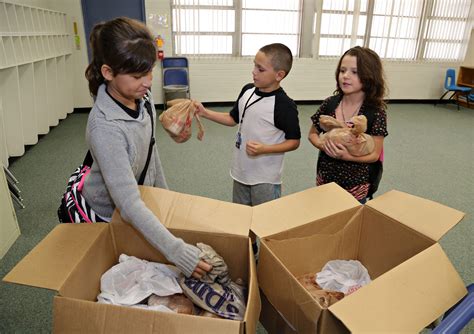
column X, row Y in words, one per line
column 433, row 30
column 394, row 29
column 342, row 26
column 239, row 28
column 203, row 27
column 447, row 30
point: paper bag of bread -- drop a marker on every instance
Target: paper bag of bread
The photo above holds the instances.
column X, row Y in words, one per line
column 177, row 120
column 354, row 138
column 173, row 102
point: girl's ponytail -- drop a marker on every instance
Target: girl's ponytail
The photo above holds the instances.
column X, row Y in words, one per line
column 95, row 78
column 93, row 71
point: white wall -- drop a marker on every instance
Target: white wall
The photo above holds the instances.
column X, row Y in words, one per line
column 74, row 11
column 218, row 80
column 469, row 60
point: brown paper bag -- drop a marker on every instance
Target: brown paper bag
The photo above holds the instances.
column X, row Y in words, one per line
column 357, row 142
column 177, row 120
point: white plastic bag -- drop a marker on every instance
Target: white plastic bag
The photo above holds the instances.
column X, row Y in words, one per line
column 132, row 280
column 343, row 275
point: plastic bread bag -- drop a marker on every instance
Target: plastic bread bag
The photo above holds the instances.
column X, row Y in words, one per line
column 345, row 276
column 177, row 120
column 216, row 292
column 227, row 301
column 203, row 313
column 219, row 272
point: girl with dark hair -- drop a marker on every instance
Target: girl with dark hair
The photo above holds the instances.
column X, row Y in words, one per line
column 118, row 134
column 360, row 91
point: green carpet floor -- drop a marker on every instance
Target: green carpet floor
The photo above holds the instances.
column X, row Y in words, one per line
column 429, row 153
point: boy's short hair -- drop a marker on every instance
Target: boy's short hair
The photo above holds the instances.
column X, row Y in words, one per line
column 280, row 56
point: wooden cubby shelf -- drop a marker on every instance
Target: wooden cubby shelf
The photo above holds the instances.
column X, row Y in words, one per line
column 466, row 79
column 35, row 63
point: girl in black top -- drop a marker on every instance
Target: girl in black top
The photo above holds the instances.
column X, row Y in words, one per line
column 360, row 91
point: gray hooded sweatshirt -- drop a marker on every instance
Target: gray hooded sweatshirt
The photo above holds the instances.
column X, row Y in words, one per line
column 119, row 146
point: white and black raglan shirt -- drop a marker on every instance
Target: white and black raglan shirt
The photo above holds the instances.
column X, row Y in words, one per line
column 270, row 118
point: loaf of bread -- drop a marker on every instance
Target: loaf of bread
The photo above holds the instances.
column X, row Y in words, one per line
column 325, row 298
column 178, row 303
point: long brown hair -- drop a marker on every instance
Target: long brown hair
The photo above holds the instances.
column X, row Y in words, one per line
column 124, row 44
column 371, row 75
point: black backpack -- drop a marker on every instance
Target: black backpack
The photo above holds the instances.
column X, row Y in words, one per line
column 375, row 168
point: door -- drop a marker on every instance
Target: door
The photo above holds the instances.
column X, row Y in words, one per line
column 95, row 11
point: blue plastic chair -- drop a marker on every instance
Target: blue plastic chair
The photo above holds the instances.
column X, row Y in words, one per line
column 175, row 73
column 450, row 86
column 175, row 62
column 175, row 76
column 458, row 316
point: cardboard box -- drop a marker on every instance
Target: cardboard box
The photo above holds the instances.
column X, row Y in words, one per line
column 394, row 236
column 73, row 257
column 272, row 320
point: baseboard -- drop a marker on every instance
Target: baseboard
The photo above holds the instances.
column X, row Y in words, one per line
column 413, row 101
column 392, row 101
column 160, row 106
column 82, row 110
column 305, row 102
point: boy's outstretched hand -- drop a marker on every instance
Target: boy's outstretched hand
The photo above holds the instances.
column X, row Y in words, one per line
column 218, row 117
column 200, row 110
column 201, row 269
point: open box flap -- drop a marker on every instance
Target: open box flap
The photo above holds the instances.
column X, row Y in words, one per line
column 194, row 213
column 427, row 217
column 404, row 299
column 253, row 309
column 300, row 208
column 50, row 263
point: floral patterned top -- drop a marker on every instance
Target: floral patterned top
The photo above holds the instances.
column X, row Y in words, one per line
column 352, row 176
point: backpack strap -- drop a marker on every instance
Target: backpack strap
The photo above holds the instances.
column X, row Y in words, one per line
column 375, row 168
column 370, row 115
column 88, row 160
column 333, row 102
column 152, row 140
